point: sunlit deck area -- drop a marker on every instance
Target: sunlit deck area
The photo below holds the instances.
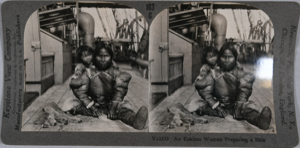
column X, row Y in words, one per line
column 262, row 95
column 137, row 95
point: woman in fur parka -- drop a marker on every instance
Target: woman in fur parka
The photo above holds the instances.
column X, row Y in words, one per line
column 227, row 91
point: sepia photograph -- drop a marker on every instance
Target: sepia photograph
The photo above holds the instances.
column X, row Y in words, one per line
column 211, row 69
column 86, row 68
column 150, row 73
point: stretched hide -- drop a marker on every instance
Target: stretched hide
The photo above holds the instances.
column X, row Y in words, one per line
column 182, row 115
column 52, row 114
column 70, row 103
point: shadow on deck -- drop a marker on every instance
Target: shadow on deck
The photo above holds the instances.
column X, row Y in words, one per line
column 262, row 95
column 137, row 95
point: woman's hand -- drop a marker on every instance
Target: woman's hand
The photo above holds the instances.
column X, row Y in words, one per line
column 112, row 114
column 95, row 111
column 221, row 112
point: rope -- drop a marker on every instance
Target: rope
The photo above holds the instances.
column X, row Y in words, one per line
column 135, row 20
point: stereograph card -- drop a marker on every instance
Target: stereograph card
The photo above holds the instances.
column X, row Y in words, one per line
column 149, row 73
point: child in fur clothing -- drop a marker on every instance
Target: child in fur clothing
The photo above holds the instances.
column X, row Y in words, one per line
column 78, row 83
column 210, row 57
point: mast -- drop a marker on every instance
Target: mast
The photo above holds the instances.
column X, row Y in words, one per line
column 251, row 23
column 114, row 11
column 102, row 22
column 108, row 23
column 137, row 29
column 237, row 26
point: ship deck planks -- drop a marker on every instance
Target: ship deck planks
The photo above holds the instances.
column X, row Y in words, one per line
column 262, row 95
column 137, row 95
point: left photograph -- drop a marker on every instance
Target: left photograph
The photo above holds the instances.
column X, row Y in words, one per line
column 86, row 68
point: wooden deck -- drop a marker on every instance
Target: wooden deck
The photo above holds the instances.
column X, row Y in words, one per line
column 262, row 95
column 137, row 95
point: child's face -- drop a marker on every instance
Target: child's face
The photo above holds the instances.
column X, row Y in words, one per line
column 86, row 57
column 211, row 58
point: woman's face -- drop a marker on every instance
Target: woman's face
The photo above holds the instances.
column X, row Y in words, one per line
column 86, row 57
column 227, row 60
column 103, row 59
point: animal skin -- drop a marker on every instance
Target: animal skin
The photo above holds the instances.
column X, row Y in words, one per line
column 182, row 115
column 52, row 114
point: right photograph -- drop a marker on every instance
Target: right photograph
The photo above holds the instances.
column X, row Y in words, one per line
column 211, row 69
